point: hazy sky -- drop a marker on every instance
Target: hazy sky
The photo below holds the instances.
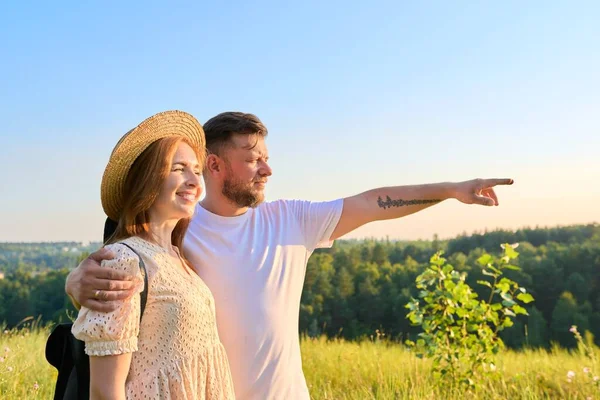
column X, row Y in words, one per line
column 355, row 95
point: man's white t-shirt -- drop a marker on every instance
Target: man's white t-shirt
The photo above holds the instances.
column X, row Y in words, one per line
column 255, row 265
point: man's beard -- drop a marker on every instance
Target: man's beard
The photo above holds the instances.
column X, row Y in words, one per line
column 241, row 193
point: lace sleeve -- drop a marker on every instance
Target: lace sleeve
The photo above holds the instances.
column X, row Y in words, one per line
column 112, row 333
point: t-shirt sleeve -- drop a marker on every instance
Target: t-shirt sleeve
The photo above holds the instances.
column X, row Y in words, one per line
column 318, row 220
column 116, row 332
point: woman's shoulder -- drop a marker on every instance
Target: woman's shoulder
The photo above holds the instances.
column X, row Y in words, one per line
column 122, row 248
column 133, row 245
column 125, row 255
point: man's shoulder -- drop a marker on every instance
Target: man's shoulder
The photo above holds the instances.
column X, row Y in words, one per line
column 272, row 208
column 297, row 206
column 280, row 205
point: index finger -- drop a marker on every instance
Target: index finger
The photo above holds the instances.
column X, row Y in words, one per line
column 110, row 274
column 495, row 182
column 102, row 254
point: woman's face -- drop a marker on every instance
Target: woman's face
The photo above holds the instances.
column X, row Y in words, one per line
column 181, row 189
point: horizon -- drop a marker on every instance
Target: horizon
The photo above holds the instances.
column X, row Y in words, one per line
column 354, row 98
column 359, row 239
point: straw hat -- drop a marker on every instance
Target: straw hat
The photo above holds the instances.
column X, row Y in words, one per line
column 133, row 143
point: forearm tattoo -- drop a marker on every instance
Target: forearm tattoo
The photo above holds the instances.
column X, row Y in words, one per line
column 389, row 203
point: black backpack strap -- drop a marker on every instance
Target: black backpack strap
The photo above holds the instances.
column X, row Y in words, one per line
column 144, row 294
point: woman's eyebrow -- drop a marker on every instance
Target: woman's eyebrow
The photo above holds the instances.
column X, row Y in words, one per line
column 185, row 164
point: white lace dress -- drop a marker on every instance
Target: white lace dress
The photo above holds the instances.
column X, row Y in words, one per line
column 176, row 349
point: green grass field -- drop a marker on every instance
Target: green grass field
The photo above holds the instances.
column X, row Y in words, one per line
column 342, row 370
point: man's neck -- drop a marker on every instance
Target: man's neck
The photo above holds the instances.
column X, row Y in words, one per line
column 221, row 205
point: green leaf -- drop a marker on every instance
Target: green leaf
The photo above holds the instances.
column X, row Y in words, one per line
column 455, row 275
column 485, row 272
column 416, row 319
column 437, row 261
column 485, row 259
column 496, row 270
column 503, row 287
column 485, row 283
column 449, row 285
column 509, row 312
column 525, row 297
column 509, row 251
column 519, row 310
column 506, row 296
column 508, row 303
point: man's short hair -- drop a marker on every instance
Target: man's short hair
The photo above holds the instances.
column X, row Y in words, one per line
column 219, row 129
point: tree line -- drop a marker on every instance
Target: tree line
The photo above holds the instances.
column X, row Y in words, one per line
column 39, row 257
column 359, row 288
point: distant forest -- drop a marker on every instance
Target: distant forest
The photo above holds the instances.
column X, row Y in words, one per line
column 360, row 287
column 39, row 257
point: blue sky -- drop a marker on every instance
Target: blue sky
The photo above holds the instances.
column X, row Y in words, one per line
column 355, row 95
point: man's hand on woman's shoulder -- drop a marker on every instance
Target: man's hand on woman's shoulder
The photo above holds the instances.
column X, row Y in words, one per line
column 97, row 288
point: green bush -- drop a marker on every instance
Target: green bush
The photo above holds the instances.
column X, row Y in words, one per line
column 460, row 331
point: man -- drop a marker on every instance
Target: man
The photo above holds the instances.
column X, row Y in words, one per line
column 253, row 254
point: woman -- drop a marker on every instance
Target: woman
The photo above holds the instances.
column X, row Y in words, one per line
column 150, row 187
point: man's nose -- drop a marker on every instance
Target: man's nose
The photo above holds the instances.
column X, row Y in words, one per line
column 266, row 170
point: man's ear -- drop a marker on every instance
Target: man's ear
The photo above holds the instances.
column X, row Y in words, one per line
column 214, row 164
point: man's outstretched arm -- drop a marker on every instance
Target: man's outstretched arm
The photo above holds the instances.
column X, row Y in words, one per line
column 399, row 201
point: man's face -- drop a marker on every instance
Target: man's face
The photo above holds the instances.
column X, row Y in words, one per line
column 246, row 170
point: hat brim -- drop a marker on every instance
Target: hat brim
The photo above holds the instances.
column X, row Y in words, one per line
column 134, row 142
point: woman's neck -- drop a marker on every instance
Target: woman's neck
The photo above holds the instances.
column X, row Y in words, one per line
column 160, row 233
